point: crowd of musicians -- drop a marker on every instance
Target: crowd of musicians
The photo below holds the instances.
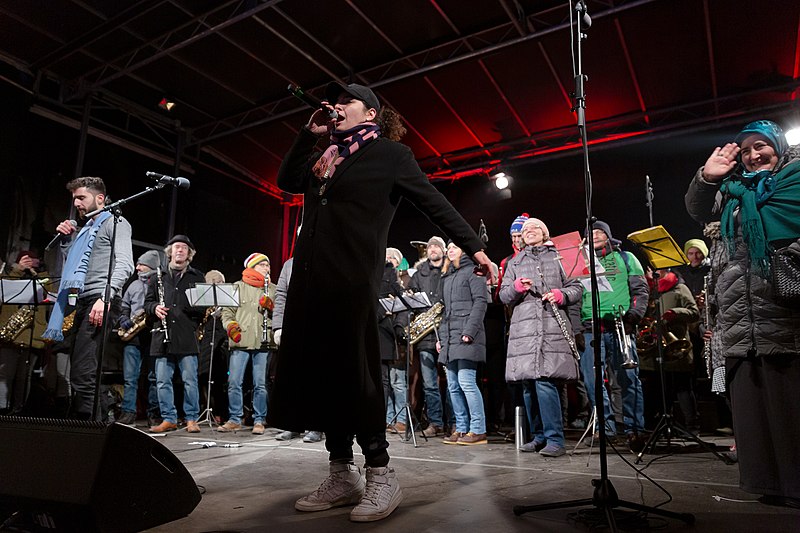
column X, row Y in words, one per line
column 489, row 344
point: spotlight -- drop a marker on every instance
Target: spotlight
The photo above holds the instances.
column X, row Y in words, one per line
column 793, row 136
column 166, row 104
column 501, row 180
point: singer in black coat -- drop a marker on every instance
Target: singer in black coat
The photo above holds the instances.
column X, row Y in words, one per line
column 328, row 373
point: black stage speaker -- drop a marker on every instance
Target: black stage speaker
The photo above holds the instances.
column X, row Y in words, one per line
column 71, row 475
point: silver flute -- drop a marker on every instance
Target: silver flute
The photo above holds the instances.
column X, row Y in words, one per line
column 561, row 322
column 159, row 278
column 707, row 313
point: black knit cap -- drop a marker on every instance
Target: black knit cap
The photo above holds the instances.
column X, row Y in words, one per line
column 359, row 92
column 181, row 238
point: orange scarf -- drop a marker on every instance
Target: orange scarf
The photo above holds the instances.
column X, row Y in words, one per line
column 252, row 277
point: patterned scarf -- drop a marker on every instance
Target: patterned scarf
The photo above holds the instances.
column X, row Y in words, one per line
column 343, row 144
column 74, row 274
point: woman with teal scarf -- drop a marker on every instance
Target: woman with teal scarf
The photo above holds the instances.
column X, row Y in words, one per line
column 752, row 186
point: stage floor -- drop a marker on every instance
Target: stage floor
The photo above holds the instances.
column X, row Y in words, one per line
column 460, row 488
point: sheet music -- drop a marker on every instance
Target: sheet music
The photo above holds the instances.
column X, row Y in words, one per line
column 202, row 295
column 418, row 300
column 20, row 292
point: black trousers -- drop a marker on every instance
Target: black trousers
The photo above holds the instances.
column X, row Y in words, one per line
column 83, row 363
column 340, row 448
column 766, row 416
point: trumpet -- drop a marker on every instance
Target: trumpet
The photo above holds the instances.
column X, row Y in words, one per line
column 161, row 302
column 624, row 341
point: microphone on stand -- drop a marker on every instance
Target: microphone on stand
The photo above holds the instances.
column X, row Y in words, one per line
column 59, row 236
column 181, row 183
column 312, row 102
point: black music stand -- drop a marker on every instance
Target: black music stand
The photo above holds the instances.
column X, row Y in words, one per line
column 16, row 291
column 662, row 251
column 399, row 304
column 214, row 295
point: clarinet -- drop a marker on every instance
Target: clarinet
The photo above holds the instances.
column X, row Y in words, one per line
column 562, row 323
column 707, row 313
column 159, row 278
column 264, row 333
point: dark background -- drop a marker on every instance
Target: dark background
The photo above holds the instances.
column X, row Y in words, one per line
column 227, row 220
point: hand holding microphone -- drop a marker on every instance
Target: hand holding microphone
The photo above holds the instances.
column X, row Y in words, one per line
column 63, row 229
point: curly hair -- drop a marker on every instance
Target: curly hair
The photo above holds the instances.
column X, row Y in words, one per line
column 96, row 185
column 391, row 124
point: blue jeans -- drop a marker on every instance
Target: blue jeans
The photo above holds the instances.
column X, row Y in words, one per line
column 632, row 399
column 397, row 380
column 131, row 367
column 462, row 384
column 165, row 368
column 543, row 405
column 430, row 385
column 236, row 368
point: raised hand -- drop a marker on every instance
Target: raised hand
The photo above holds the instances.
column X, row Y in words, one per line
column 720, row 162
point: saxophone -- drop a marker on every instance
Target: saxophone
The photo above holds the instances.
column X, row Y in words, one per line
column 139, row 322
column 19, row 322
column 424, row 323
column 163, row 328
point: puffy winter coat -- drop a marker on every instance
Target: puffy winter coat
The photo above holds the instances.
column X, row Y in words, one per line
column 537, row 347
column 751, row 320
column 465, row 297
column 250, row 317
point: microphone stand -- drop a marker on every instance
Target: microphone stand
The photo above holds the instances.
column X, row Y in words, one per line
column 604, row 497
column 115, row 209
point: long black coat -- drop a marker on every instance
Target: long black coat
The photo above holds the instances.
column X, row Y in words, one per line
column 329, row 371
column 183, row 319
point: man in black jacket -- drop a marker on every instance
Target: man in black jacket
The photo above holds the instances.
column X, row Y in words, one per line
column 428, row 279
column 178, row 344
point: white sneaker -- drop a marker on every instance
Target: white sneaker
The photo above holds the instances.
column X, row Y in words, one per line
column 382, row 495
column 343, row 486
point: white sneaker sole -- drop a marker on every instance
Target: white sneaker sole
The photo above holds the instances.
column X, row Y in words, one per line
column 397, row 498
column 352, row 498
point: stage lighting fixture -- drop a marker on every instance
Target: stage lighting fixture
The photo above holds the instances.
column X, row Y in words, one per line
column 166, row 104
column 501, row 180
column 793, row 136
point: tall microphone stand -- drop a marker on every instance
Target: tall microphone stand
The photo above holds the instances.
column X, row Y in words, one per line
column 604, row 497
column 115, row 209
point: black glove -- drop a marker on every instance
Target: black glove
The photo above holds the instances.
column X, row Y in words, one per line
column 630, row 320
column 580, row 342
column 400, row 333
column 125, row 322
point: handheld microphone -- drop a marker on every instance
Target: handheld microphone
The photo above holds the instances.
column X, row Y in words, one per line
column 312, row 102
column 59, row 236
column 181, row 183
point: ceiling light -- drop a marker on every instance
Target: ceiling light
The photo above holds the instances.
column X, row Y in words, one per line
column 166, row 104
column 501, row 180
column 793, row 136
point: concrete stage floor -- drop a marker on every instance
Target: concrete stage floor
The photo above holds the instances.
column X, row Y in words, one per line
column 460, row 488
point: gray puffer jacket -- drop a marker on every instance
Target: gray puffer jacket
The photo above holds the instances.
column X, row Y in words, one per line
column 536, row 345
column 465, row 298
column 750, row 319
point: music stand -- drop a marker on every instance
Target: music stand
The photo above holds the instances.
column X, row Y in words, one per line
column 398, row 304
column 662, row 251
column 29, row 292
column 212, row 295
